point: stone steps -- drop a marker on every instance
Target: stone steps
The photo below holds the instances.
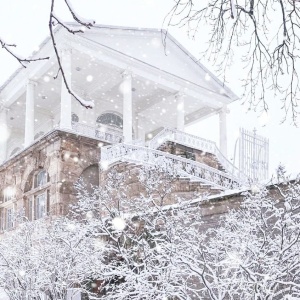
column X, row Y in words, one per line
column 183, row 187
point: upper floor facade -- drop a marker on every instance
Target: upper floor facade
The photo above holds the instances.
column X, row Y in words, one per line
column 136, row 86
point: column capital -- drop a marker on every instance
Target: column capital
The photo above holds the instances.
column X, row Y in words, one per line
column 179, row 95
column 126, row 74
column 224, row 109
column 31, row 82
column 66, row 51
column 3, row 108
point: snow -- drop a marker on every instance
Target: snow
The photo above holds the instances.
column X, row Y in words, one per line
column 113, row 238
column 3, row 295
column 118, row 223
column 83, row 20
column 233, row 8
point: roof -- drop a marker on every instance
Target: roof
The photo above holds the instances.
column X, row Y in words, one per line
column 187, row 57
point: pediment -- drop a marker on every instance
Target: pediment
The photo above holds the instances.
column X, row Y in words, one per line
column 151, row 47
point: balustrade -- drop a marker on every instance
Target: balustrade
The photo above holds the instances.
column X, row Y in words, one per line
column 104, row 134
column 170, row 163
column 195, row 142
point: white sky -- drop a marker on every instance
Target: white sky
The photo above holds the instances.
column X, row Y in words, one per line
column 26, row 24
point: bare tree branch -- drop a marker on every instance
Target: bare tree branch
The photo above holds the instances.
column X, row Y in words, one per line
column 23, row 61
column 52, row 19
column 265, row 32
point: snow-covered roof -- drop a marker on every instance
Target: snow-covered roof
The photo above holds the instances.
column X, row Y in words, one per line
column 143, row 45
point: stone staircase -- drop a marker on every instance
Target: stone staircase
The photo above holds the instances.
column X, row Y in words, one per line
column 197, row 148
column 181, row 187
column 170, row 163
column 193, row 154
column 187, row 156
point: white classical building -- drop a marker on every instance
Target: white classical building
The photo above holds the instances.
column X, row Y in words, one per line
column 138, row 86
column 144, row 94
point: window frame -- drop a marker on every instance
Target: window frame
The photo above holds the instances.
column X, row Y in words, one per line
column 38, row 213
column 8, row 196
column 40, row 182
column 7, row 218
column 118, row 123
column 9, row 221
column 39, row 188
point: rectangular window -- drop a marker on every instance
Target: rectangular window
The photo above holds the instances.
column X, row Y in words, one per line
column 30, row 208
column 9, row 218
column 41, row 178
column 9, row 194
column 2, row 219
column 41, row 205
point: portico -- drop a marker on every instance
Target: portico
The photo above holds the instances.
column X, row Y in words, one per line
column 137, row 90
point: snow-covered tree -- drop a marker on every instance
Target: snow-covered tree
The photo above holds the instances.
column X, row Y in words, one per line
column 254, row 253
column 109, row 245
column 143, row 238
column 153, row 246
column 46, row 257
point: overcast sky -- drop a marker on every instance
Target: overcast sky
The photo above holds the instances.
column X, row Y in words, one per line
column 26, row 24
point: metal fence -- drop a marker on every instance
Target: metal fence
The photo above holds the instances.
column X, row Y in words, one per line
column 254, row 155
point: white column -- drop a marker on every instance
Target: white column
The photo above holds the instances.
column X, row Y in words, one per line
column 141, row 128
column 29, row 116
column 66, row 98
column 223, row 130
column 3, row 133
column 180, row 111
column 126, row 87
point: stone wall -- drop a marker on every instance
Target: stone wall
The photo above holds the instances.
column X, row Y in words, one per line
column 190, row 153
column 63, row 156
column 66, row 157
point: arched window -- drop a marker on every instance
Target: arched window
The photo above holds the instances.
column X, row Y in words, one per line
column 75, row 118
column 110, row 118
column 15, row 151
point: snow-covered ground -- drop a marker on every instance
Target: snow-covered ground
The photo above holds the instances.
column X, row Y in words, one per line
column 3, row 295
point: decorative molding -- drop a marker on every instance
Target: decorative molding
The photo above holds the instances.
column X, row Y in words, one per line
column 3, row 107
column 31, row 82
column 179, row 95
column 224, row 109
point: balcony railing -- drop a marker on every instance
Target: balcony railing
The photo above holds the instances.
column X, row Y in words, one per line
column 192, row 141
column 105, row 133
column 169, row 162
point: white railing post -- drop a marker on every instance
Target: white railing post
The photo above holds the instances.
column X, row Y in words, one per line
column 126, row 88
column 223, row 130
column 180, row 111
column 29, row 113
column 4, row 133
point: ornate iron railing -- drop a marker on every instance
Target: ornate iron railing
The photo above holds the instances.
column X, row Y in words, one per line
column 195, row 142
column 169, row 162
column 104, row 134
